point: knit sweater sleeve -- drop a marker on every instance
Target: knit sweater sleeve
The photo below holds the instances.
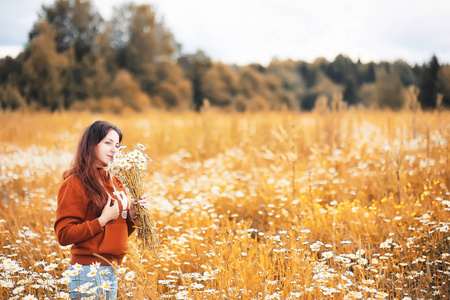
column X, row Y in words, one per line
column 71, row 225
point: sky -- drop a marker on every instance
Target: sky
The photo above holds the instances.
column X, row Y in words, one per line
column 258, row 31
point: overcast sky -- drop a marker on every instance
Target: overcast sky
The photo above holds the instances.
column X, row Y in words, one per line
column 246, row 31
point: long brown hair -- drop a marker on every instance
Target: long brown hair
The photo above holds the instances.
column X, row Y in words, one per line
column 83, row 165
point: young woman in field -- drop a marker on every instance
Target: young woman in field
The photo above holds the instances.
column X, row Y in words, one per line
column 94, row 215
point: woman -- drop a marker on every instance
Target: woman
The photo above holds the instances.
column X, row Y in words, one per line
column 94, row 215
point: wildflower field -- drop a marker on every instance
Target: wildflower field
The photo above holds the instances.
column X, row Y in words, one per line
column 272, row 205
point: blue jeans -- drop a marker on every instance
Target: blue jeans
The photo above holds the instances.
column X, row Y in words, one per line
column 99, row 283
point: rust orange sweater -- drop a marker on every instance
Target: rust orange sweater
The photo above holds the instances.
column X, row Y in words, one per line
column 77, row 224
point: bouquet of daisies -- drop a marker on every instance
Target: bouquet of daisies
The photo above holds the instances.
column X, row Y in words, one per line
column 129, row 169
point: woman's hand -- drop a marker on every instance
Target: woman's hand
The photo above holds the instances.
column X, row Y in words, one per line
column 142, row 202
column 109, row 212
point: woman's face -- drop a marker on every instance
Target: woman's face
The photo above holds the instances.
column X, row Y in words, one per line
column 104, row 151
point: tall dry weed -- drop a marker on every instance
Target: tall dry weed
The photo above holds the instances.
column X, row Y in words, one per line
column 338, row 205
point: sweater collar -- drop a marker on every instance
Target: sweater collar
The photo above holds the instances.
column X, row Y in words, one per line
column 103, row 174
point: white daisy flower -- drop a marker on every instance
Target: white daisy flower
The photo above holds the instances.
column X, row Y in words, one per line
column 130, row 276
column 106, row 285
column 93, row 290
column 92, row 272
column 63, row 295
column 132, row 154
column 84, row 287
column 65, row 280
column 66, row 260
column 7, row 283
column 105, row 271
column 95, row 265
column 50, row 267
column 18, row 290
column 122, row 162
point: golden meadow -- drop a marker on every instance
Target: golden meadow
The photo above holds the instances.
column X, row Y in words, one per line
column 271, row 205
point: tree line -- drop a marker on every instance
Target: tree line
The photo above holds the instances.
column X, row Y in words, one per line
column 76, row 60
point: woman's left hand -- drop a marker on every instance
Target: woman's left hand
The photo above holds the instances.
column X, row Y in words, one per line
column 142, row 202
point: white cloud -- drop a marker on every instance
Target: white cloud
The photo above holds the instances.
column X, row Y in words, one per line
column 12, row 51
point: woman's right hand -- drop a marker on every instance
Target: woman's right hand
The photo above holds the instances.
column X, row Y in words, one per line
column 110, row 212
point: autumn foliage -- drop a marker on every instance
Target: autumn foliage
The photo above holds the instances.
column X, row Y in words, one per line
column 76, row 60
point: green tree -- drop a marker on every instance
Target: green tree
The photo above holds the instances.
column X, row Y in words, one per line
column 127, row 90
column 221, row 85
column 146, row 48
column 10, row 68
column 194, row 66
column 344, row 71
column 405, row 72
column 10, row 97
column 351, row 90
column 42, row 70
column 444, row 79
column 308, row 73
column 388, row 91
column 99, row 68
column 141, row 42
column 366, row 72
column 76, row 24
column 428, row 84
column 172, row 79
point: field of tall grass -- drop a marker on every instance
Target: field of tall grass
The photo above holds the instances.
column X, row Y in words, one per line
column 344, row 205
